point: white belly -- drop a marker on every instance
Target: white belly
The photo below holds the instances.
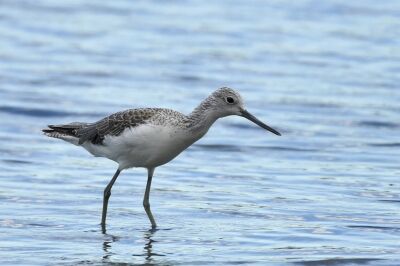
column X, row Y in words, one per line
column 143, row 146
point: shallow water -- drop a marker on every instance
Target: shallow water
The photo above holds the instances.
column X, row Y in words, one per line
column 325, row 74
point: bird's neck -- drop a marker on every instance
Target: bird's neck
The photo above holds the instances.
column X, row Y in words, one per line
column 202, row 117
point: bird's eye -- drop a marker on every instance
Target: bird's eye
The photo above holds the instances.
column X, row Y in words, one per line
column 230, row 100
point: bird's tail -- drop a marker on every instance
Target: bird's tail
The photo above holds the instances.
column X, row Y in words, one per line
column 64, row 132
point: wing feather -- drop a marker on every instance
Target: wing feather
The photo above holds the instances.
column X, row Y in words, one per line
column 113, row 125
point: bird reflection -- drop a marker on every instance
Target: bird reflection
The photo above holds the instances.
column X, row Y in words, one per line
column 147, row 254
column 107, row 245
column 148, row 247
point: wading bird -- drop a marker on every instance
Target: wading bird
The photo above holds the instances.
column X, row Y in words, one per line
column 150, row 137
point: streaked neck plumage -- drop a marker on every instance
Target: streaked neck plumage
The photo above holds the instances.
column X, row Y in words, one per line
column 203, row 116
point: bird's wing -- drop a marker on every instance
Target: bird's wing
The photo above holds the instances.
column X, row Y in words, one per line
column 113, row 125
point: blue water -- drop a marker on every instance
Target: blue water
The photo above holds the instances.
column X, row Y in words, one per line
column 324, row 73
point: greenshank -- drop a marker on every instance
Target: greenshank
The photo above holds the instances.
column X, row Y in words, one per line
column 150, row 137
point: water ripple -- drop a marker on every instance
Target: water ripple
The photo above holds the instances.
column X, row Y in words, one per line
column 379, row 124
column 338, row 261
column 325, row 73
column 243, row 148
column 36, row 112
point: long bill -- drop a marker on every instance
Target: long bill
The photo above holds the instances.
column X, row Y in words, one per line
column 254, row 119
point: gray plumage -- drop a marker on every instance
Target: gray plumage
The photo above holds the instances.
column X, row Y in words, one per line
column 112, row 125
column 150, row 137
column 115, row 124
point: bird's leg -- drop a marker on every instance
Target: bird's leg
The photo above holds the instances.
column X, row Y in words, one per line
column 146, row 203
column 107, row 194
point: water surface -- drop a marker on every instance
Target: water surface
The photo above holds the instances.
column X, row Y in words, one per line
column 325, row 74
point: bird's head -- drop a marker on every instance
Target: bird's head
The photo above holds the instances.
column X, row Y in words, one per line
column 226, row 101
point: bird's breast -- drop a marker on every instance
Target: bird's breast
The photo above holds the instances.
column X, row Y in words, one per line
column 149, row 145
